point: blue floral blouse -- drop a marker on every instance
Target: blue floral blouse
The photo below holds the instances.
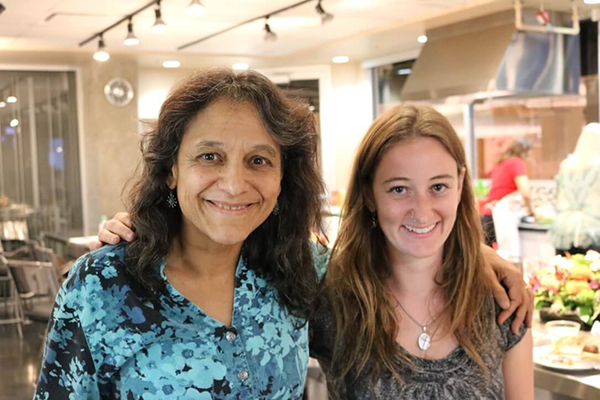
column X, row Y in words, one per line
column 105, row 341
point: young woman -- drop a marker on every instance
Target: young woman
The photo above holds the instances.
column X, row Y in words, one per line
column 409, row 312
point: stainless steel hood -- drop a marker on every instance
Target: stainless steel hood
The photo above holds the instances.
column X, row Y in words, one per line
column 488, row 57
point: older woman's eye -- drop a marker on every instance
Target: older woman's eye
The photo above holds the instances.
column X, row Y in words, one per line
column 259, row 161
column 208, row 157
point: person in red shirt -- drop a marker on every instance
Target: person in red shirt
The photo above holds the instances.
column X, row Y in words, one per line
column 508, row 175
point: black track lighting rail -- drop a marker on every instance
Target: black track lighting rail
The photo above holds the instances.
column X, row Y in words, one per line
column 129, row 16
column 205, row 38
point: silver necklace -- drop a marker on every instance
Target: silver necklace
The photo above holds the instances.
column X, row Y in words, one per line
column 424, row 340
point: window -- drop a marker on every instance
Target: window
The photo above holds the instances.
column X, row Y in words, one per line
column 39, row 150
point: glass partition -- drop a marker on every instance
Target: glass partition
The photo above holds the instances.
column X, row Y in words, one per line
column 39, row 153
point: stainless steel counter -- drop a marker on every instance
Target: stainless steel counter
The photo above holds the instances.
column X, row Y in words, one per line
column 558, row 385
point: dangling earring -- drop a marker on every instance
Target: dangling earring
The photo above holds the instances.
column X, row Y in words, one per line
column 373, row 220
column 171, row 200
column 276, row 208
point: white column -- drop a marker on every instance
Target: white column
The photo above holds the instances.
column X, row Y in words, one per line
column 470, row 140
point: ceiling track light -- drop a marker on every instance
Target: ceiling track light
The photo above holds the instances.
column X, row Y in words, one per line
column 248, row 21
column 270, row 36
column 195, row 8
column 159, row 25
column 130, row 39
column 325, row 16
column 101, row 54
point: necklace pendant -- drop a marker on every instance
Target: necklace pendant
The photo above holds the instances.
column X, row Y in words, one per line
column 424, row 341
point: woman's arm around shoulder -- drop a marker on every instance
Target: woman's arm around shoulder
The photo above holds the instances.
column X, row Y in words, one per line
column 519, row 299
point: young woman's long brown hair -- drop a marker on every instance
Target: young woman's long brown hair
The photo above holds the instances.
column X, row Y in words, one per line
column 366, row 320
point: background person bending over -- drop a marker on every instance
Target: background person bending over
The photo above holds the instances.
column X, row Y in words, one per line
column 509, row 176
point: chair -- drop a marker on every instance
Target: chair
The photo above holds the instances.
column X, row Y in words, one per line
column 43, row 302
column 57, row 272
column 39, row 278
column 63, row 251
column 20, row 250
column 9, row 296
column 41, row 306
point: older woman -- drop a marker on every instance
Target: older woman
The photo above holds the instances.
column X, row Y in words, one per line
column 211, row 297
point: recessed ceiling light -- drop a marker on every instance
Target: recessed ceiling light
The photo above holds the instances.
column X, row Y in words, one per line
column 2, row 104
column 422, row 39
column 240, row 66
column 171, row 64
column 591, row 1
column 340, row 59
column 14, row 122
column 11, row 99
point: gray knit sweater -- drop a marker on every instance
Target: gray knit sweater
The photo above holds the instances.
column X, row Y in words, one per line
column 455, row 376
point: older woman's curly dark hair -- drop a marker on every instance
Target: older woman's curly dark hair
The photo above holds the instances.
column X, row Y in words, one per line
column 279, row 249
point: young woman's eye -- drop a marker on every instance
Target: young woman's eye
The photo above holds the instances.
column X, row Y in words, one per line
column 439, row 188
column 398, row 189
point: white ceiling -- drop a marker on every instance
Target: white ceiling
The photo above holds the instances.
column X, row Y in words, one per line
column 361, row 28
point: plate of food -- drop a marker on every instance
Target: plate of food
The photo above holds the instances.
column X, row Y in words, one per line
column 569, row 353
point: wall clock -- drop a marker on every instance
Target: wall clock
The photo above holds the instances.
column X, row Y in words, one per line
column 118, row 92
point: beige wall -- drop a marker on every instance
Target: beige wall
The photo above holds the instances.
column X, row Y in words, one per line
column 109, row 141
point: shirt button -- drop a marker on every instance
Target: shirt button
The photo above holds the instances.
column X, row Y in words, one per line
column 230, row 336
column 243, row 375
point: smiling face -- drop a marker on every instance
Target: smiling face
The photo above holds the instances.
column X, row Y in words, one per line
column 416, row 193
column 227, row 174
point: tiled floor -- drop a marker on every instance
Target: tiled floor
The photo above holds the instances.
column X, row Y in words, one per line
column 19, row 360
